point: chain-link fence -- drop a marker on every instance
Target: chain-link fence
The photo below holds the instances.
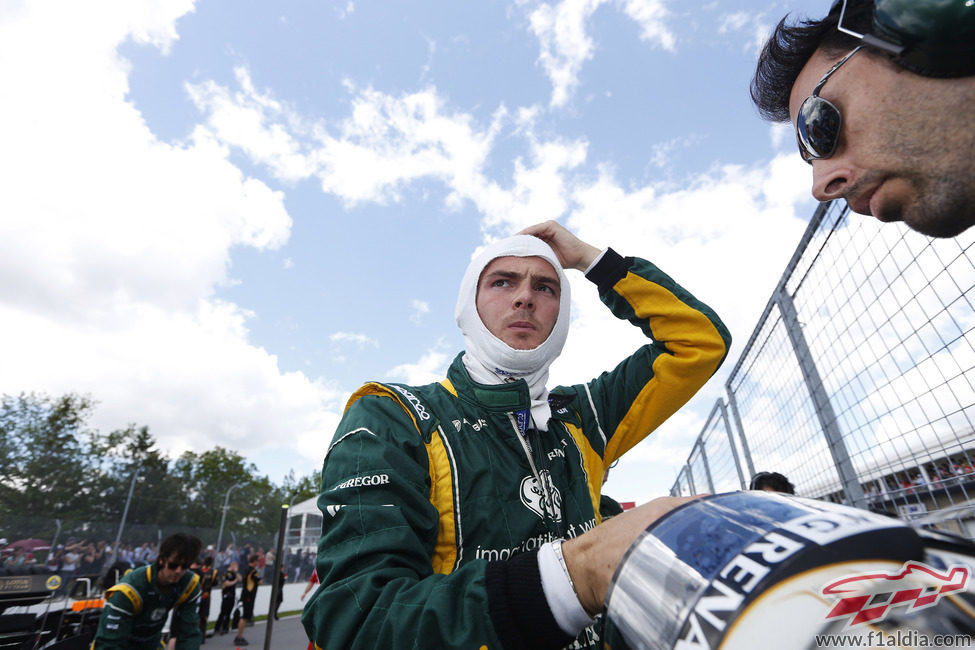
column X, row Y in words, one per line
column 858, row 383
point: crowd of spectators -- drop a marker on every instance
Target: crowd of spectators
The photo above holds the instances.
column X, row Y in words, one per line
column 85, row 557
column 914, row 484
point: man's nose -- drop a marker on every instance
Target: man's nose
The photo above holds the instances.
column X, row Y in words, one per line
column 831, row 177
column 524, row 298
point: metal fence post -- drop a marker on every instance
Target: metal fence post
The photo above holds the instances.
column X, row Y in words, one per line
column 276, row 581
column 823, row 407
column 707, row 469
column 690, row 479
column 731, row 442
column 745, row 450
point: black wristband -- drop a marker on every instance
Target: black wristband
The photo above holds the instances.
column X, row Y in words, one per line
column 609, row 270
column 518, row 607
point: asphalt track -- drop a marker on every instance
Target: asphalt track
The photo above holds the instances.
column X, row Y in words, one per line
column 286, row 634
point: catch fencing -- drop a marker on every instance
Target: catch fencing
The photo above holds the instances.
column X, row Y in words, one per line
column 858, row 383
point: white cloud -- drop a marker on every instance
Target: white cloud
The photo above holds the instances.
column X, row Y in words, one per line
column 420, row 309
column 242, row 118
column 565, row 44
column 189, row 376
column 753, row 25
column 390, row 141
column 651, row 15
column 384, row 144
column 733, row 22
column 431, row 367
column 360, row 340
column 113, row 242
column 782, row 134
column 662, row 152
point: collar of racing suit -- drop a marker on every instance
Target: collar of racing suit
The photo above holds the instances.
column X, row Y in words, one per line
column 508, row 397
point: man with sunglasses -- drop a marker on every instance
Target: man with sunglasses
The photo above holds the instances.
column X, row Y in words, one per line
column 137, row 607
column 882, row 119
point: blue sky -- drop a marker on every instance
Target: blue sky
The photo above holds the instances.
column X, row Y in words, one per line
column 220, row 217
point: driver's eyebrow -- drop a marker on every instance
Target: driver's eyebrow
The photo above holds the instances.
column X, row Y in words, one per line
column 514, row 275
column 547, row 280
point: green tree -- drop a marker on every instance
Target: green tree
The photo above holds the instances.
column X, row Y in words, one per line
column 54, row 466
column 158, row 497
column 208, row 476
column 46, row 456
column 301, row 489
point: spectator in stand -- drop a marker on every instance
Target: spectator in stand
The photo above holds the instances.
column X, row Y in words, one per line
column 101, row 547
column 143, row 554
column 220, row 562
column 16, row 559
column 107, row 553
column 307, row 565
column 907, row 486
column 127, row 555
column 54, row 559
column 230, row 557
column 69, row 563
column 294, row 564
column 269, row 562
column 88, row 564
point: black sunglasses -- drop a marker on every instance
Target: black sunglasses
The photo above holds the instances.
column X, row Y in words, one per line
column 819, row 122
column 172, row 566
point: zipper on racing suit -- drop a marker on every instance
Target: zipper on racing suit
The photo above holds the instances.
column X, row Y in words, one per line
column 548, row 501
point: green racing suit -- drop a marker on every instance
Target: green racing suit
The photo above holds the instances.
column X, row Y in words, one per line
column 136, row 609
column 436, row 498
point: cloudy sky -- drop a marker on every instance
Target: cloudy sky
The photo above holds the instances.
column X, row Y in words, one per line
column 219, row 217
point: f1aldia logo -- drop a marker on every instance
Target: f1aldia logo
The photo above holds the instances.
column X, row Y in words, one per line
column 869, row 597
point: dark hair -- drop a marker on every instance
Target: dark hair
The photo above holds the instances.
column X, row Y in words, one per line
column 185, row 547
column 790, row 47
column 772, row 480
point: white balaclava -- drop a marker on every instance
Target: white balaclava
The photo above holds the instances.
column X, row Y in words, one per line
column 488, row 359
